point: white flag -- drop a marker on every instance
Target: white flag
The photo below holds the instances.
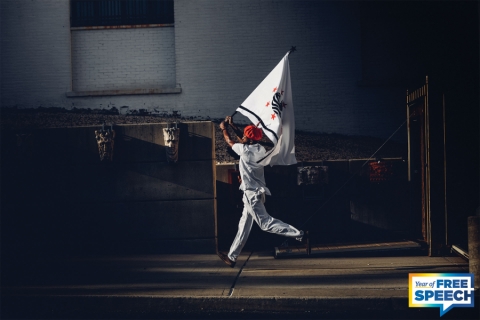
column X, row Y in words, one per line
column 271, row 105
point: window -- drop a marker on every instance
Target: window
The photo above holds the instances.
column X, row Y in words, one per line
column 88, row 13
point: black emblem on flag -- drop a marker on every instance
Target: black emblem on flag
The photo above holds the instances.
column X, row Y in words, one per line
column 278, row 104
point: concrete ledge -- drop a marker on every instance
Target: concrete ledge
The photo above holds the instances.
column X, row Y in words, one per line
column 129, row 26
column 73, row 94
column 116, row 307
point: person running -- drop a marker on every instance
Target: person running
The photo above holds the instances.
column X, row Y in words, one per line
column 252, row 183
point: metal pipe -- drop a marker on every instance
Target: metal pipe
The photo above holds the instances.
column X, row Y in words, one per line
column 408, row 141
column 445, row 170
column 309, row 248
column 427, row 171
column 460, row 251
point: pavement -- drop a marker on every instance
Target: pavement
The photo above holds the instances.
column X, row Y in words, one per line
column 366, row 285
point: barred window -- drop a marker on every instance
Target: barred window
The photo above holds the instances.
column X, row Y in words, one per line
column 88, row 13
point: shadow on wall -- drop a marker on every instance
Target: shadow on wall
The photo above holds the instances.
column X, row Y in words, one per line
column 305, row 207
column 57, row 197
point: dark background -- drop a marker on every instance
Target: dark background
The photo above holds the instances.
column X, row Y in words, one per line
column 402, row 42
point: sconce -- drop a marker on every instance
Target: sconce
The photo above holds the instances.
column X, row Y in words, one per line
column 171, row 137
column 105, row 142
column 312, row 175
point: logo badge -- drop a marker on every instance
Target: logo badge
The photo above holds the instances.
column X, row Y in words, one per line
column 442, row 290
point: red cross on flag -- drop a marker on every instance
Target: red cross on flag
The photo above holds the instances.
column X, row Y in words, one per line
column 270, row 104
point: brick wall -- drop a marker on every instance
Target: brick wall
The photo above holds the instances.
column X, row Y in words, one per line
column 35, row 53
column 223, row 50
column 240, row 43
column 115, row 59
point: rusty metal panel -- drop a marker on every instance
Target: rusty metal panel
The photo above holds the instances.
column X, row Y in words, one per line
column 381, row 171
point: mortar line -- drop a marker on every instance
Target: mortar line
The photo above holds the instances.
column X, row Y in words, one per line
column 232, row 288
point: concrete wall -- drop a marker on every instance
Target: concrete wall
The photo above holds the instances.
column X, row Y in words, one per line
column 325, row 210
column 223, row 50
column 56, row 194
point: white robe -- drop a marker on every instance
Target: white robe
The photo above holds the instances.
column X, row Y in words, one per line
column 254, row 190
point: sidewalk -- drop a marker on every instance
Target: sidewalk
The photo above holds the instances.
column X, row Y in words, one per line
column 196, row 286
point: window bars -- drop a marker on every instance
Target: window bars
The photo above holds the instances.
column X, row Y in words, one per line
column 89, row 13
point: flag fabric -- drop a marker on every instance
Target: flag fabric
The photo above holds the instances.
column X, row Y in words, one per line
column 271, row 105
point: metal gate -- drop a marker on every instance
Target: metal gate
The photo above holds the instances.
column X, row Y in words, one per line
column 427, row 167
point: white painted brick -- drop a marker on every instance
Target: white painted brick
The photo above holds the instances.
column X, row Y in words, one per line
column 35, row 50
column 123, row 55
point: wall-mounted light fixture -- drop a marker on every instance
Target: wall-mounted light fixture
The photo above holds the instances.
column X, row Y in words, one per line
column 312, row 175
column 171, row 136
column 105, row 141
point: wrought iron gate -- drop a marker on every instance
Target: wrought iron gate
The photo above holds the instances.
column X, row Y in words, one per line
column 426, row 167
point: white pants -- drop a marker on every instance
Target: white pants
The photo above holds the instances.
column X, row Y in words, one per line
column 254, row 209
